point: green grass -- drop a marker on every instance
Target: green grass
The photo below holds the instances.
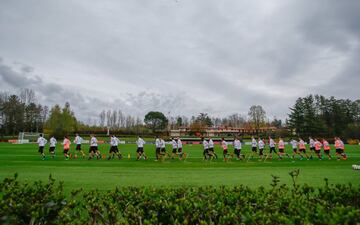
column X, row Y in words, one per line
column 104, row 174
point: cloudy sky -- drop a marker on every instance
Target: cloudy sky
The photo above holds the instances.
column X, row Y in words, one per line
column 182, row 56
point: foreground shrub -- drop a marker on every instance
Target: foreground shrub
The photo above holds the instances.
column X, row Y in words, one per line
column 46, row 203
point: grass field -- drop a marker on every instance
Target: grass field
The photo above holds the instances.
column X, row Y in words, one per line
column 104, row 174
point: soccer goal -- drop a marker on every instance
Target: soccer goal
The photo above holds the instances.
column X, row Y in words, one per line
column 27, row 137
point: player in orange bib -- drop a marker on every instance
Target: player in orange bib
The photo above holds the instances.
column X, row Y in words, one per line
column 66, row 145
column 340, row 148
column 302, row 148
column 281, row 147
column 326, row 147
column 318, row 146
column 224, row 146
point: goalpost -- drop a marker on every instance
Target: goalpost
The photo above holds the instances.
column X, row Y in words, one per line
column 27, row 137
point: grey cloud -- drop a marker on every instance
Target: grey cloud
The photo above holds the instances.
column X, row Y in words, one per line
column 88, row 107
column 220, row 56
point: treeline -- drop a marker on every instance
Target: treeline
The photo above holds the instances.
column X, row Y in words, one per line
column 21, row 113
column 326, row 117
column 310, row 115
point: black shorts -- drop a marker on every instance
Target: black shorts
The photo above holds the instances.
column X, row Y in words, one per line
column 93, row 149
column 179, row 150
column 281, row 150
column 162, row 150
column 78, row 147
column 317, row 151
column 339, row 151
column 237, row 151
column 52, row 149
column 327, row 152
column 225, row 152
column 312, row 148
column 295, row 150
column 302, row 150
column 261, row 151
column 140, row 150
column 114, row 149
column 174, row 150
column 66, row 151
column 254, row 149
column 206, row 151
column 211, row 149
column 41, row 149
column 157, row 150
column 272, row 149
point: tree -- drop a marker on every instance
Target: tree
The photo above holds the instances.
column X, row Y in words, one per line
column 61, row 121
column 27, row 96
column 179, row 121
column 296, row 117
column 204, row 120
column 102, row 116
column 320, row 116
column 276, row 123
column 257, row 116
column 155, row 120
column 54, row 124
column 13, row 111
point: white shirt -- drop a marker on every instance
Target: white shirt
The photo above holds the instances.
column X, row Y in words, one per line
column 253, row 143
column 205, row 144
column 341, row 143
column 52, row 142
column 78, row 140
column 211, row 143
column 162, row 143
column 41, row 141
column 237, row 144
column 114, row 141
column 312, row 143
column 93, row 141
column 293, row 144
column 179, row 143
column 261, row 144
column 174, row 144
column 140, row 143
column 272, row 143
column 157, row 143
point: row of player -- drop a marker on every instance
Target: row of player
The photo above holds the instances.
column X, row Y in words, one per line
column 299, row 148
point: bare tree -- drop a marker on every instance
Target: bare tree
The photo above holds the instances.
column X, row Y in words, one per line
column 257, row 116
column 108, row 118
column 121, row 119
column 102, row 118
column 27, row 96
column 236, row 120
column 113, row 119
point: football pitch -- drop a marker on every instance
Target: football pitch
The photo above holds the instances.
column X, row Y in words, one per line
column 194, row 171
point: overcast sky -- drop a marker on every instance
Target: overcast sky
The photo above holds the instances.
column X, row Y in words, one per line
column 182, row 56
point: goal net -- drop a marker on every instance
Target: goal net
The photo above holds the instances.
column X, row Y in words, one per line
column 27, row 137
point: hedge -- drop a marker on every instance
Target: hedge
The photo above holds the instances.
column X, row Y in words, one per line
column 47, row 203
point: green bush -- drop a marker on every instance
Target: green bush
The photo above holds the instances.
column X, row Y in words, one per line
column 46, row 203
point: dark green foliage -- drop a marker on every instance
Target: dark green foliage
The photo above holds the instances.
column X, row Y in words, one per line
column 204, row 120
column 156, row 121
column 19, row 113
column 45, row 203
column 326, row 117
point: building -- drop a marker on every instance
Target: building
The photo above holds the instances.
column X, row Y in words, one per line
column 220, row 131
